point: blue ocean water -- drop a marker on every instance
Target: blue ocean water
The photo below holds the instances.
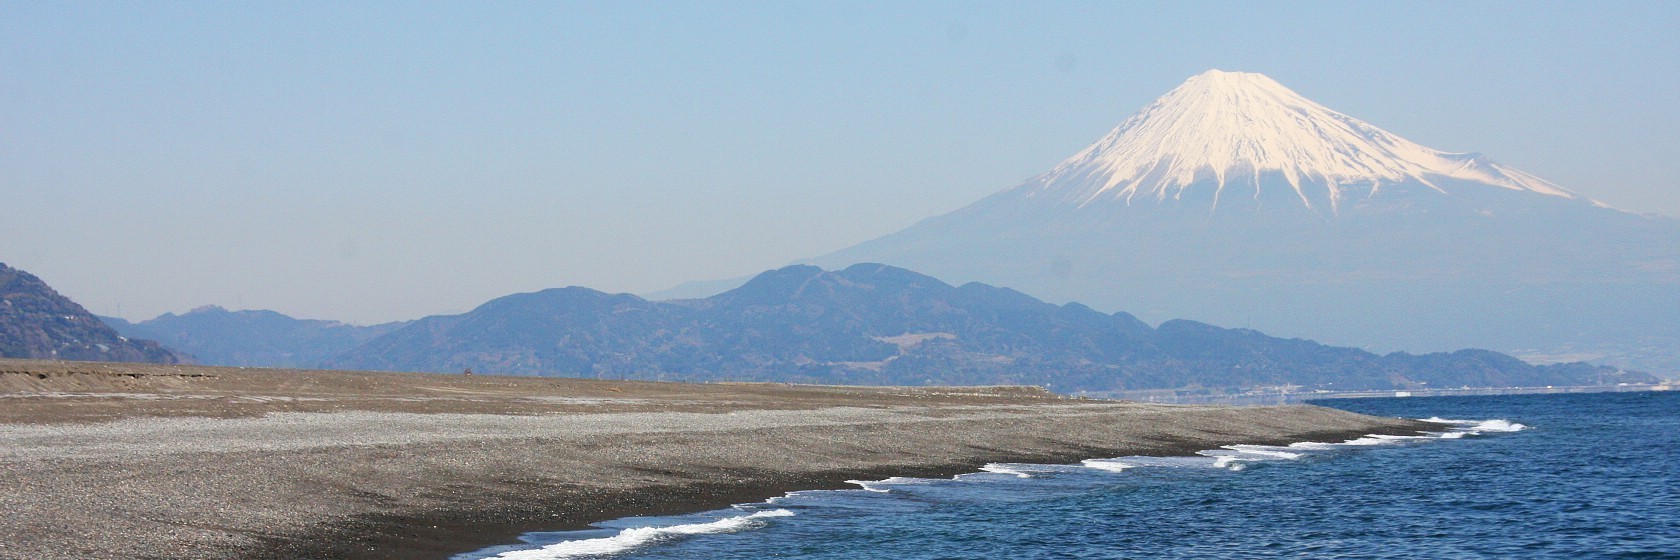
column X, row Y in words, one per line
column 1533, row 476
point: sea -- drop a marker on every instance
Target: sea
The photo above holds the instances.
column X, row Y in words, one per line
column 1528, row 476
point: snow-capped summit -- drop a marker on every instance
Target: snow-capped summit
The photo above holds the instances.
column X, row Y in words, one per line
column 1228, row 131
column 1236, row 201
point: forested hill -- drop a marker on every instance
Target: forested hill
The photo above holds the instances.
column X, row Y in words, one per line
column 877, row 324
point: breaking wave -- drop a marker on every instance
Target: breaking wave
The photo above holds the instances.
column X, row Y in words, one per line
column 639, row 536
column 1236, row 457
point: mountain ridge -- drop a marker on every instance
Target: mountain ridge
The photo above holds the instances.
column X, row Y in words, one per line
column 1226, row 126
column 1430, row 263
column 219, row 337
column 875, row 324
column 37, row 322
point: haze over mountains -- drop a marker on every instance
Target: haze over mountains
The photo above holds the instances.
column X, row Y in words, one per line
column 1236, row 201
column 882, row 325
column 37, row 322
column 216, row 336
column 1230, row 200
column 868, row 324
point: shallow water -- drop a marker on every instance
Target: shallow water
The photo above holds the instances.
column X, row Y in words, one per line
column 1536, row 476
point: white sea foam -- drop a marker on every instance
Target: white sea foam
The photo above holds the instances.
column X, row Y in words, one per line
column 639, row 536
column 794, row 495
column 1264, row 451
column 1312, row 445
column 1001, row 468
column 1225, row 461
column 1232, row 461
column 1440, row 420
column 882, row 485
column 868, row 486
column 1110, row 465
column 1371, row 440
column 1234, row 457
column 1459, row 429
column 1498, row 425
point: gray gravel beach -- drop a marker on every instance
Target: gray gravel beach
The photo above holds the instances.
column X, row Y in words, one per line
column 120, row 461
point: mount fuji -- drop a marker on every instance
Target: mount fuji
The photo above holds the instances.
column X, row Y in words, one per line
column 1236, row 201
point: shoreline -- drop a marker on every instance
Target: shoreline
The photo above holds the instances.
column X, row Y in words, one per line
column 441, row 534
column 114, row 461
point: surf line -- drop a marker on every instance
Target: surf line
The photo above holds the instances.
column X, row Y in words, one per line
column 1233, row 457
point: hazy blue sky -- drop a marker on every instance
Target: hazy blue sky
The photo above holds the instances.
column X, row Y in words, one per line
column 381, row 161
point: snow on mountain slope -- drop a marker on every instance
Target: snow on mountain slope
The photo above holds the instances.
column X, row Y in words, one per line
column 1226, row 130
column 1235, row 201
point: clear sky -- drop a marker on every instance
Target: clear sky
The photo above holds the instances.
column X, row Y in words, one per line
column 378, row 161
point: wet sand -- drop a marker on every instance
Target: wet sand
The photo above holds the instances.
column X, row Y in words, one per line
column 137, row 461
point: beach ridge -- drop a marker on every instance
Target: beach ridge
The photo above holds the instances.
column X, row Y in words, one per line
column 110, row 461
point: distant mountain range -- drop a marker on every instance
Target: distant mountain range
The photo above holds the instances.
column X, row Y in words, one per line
column 37, row 322
column 1234, row 200
column 877, row 324
column 218, row 337
column 868, row 324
